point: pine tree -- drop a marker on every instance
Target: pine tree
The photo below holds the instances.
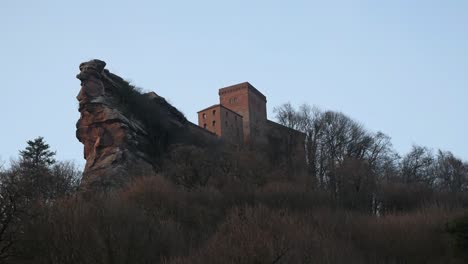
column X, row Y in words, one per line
column 34, row 171
column 38, row 153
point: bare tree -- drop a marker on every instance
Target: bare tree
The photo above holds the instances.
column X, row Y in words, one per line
column 8, row 223
column 451, row 172
column 357, row 184
column 12, row 211
column 311, row 124
column 289, row 117
column 332, row 138
column 342, row 139
column 418, row 166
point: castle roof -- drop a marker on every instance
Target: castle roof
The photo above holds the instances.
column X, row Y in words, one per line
column 220, row 105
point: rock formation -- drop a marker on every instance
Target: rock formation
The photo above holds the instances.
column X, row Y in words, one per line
column 124, row 132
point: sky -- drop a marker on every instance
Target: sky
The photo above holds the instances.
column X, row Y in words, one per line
column 397, row 66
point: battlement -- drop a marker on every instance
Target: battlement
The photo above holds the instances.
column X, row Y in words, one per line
column 241, row 86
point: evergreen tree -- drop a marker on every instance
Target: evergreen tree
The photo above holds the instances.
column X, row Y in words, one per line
column 34, row 171
column 38, row 153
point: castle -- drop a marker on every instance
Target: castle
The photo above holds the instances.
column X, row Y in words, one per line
column 126, row 134
column 241, row 118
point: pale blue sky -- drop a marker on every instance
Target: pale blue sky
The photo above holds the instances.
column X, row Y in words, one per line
column 397, row 66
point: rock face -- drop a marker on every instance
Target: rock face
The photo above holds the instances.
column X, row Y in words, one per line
column 124, row 132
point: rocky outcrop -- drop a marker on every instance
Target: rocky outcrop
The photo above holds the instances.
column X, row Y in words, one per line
column 125, row 133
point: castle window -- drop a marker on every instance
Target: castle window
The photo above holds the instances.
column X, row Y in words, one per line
column 204, row 126
column 214, row 123
column 233, row 100
column 225, row 122
column 227, row 113
column 235, row 118
column 214, row 112
column 204, row 116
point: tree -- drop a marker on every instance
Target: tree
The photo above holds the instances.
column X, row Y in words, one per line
column 451, row 172
column 189, row 166
column 38, row 153
column 333, row 138
column 357, row 184
column 33, row 171
column 34, row 180
column 312, row 125
column 10, row 215
column 418, row 166
column 37, row 175
column 289, row 117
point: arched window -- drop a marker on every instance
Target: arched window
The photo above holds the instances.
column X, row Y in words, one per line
column 204, row 116
column 204, row 126
column 214, row 123
column 214, row 112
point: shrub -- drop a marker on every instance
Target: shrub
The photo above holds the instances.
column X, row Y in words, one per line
column 458, row 228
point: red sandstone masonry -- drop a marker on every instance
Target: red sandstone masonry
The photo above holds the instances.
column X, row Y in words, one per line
column 223, row 122
column 245, row 100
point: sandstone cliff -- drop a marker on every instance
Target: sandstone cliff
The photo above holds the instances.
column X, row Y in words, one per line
column 125, row 133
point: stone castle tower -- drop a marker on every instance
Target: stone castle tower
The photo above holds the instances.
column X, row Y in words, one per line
column 240, row 116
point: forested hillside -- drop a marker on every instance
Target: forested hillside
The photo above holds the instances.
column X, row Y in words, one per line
column 354, row 200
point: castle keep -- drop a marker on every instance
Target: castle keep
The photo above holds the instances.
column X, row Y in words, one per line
column 240, row 115
column 241, row 118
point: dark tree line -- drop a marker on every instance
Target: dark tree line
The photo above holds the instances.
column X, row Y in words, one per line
column 366, row 204
column 355, row 165
column 35, row 178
